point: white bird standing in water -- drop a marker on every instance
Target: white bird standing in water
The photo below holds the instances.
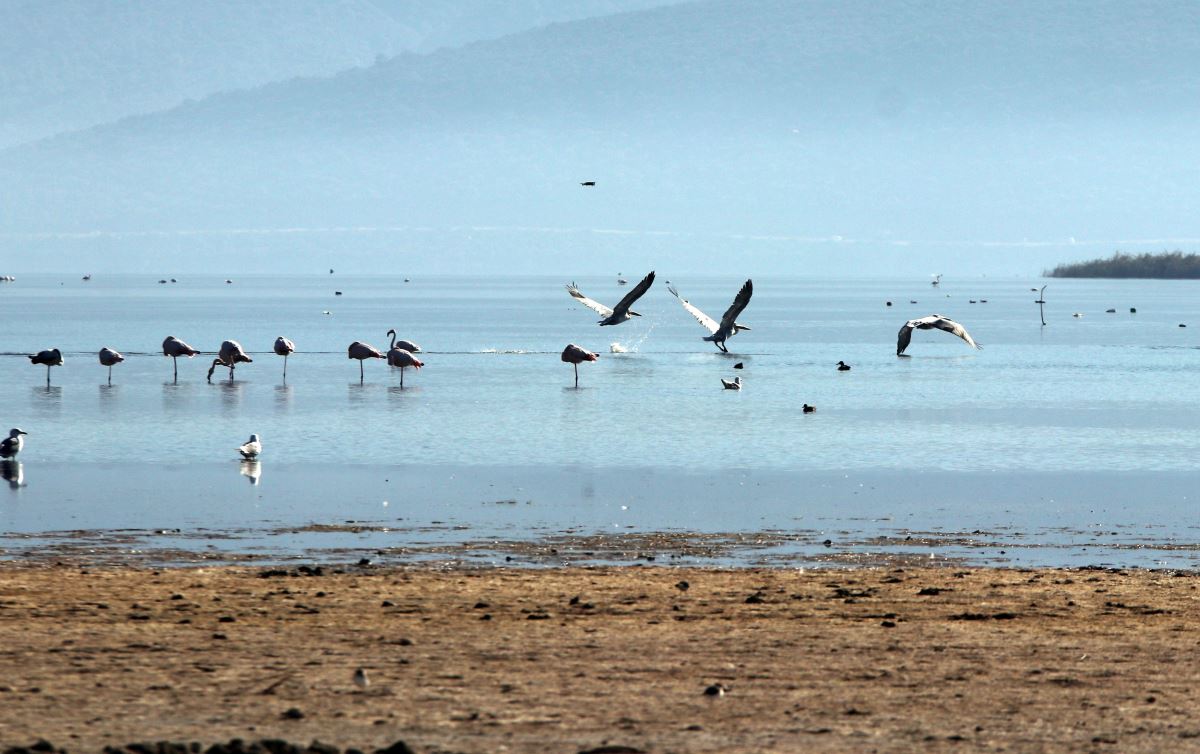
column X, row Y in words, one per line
column 109, row 357
column 230, row 355
column 13, row 443
column 174, row 347
column 621, row 312
column 576, row 355
column 728, row 326
column 251, row 448
column 362, row 352
column 734, row 384
column 283, row 347
column 51, row 358
column 929, row 323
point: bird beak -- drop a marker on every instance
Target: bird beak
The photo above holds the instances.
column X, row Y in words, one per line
column 743, row 327
column 633, row 313
column 22, row 433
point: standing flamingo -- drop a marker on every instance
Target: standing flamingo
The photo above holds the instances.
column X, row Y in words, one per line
column 174, row 347
column 403, row 358
column 407, row 345
column 283, row 347
column 575, row 355
column 108, row 357
column 51, row 358
column 362, row 352
column 230, row 355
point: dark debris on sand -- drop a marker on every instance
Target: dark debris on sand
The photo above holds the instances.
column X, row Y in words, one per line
column 234, row 746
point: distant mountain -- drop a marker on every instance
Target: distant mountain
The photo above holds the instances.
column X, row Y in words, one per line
column 865, row 124
column 1173, row 265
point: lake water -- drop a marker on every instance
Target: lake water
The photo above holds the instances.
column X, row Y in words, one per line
column 1080, row 406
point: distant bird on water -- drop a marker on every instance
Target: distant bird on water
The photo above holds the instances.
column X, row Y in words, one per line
column 109, row 357
column 362, row 352
column 734, row 384
column 576, row 355
column 808, row 409
column 929, row 323
column 230, row 355
column 587, row 183
column 843, row 366
column 251, row 448
column 13, row 443
column 283, row 347
column 621, row 312
column 728, row 326
column 51, row 358
column 174, row 347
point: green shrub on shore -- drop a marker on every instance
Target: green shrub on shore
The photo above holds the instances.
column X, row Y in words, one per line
column 1166, row 265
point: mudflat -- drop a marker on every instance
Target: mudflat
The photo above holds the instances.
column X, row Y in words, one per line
column 655, row 659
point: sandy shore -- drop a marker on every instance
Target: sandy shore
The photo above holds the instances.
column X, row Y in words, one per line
column 568, row 660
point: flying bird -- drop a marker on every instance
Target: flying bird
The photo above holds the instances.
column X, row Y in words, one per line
column 13, row 443
column 621, row 312
column 283, row 347
column 51, row 358
column 728, row 326
column 929, row 323
column 108, row 357
column 576, row 355
column 734, row 384
column 362, row 352
column 230, row 355
column 174, row 347
column 251, row 448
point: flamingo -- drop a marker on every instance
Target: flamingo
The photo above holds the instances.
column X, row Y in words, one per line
column 283, row 347
column 174, row 347
column 362, row 352
column 51, row 358
column 108, row 357
column 403, row 358
column 576, row 355
column 230, row 355
column 407, row 345
column 621, row 312
column 728, row 326
column 929, row 323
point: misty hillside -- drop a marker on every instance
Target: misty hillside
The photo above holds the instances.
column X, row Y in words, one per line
column 894, row 121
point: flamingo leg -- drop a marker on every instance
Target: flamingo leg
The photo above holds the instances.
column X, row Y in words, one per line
column 110, row 375
column 285, row 367
column 360, row 372
column 47, row 375
column 576, row 374
column 175, row 363
column 401, row 378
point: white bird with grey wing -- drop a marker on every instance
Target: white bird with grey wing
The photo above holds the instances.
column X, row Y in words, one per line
column 728, row 326
column 929, row 323
column 619, row 313
column 251, row 448
column 13, row 443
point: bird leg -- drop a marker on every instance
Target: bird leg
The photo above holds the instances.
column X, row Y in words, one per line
column 47, row 375
column 576, row 374
column 360, row 372
column 401, row 378
column 175, row 363
column 285, row 367
column 110, row 374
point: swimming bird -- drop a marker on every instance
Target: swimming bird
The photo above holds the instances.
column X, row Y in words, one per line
column 937, row 279
column 929, row 323
column 621, row 312
column 283, row 347
column 739, row 365
column 251, row 448
column 108, row 357
column 734, row 384
column 230, row 355
column 403, row 358
column 174, row 347
column 587, row 183
column 728, row 326
column 362, row 352
column 13, row 443
column 407, row 345
column 843, row 366
column 808, row 409
column 51, row 358
column 576, row 355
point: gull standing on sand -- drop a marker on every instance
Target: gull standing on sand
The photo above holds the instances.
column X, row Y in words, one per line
column 283, row 347
column 362, row 352
column 51, row 358
column 174, row 347
column 728, row 326
column 576, row 355
column 108, row 357
column 929, row 323
column 230, row 355
column 621, row 312
column 251, row 448
column 13, row 443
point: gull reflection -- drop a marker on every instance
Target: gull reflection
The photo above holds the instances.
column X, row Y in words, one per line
column 13, row 473
column 252, row 470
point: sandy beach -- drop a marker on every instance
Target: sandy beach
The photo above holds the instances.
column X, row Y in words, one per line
column 524, row 660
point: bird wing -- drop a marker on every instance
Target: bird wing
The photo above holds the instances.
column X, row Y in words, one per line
column 707, row 322
column 904, row 337
column 950, row 326
column 595, row 306
column 6, row 447
column 638, row 291
column 739, row 303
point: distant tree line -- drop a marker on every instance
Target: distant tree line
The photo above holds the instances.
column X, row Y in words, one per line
column 1167, row 265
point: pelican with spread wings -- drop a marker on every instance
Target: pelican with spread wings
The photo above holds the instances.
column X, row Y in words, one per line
column 619, row 313
column 929, row 323
column 728, row 326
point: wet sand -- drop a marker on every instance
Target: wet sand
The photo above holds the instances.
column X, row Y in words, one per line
column 571, row 659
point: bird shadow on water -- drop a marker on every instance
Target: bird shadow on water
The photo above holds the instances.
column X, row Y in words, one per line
column 395, row 391
column 13, row 472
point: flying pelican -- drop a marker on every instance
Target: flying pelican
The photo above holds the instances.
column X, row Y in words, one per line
column 407, row 345
column 734, row 384
column 727, row 327
column 230, row 355
column 576, row 355
column 362, row 352
column 621, row 312
column 13, row 443
column 174, row 347
column 403, row 358
column 51, row 358
column 108, row 357
column 251, row 448
column 928, row 323
column 283, row 347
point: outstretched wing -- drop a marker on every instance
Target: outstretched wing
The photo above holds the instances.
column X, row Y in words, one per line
column 954, row 328
column 707, row 322
column 739, row 303
column 638, row 291
column 595, row 306
column 904, row 337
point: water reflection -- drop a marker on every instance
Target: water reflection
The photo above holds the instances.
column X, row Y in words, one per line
column 108, row 395
column 13, row 473
column 47, row 399
column 252, row 470
column 231, row 395
column 283, row 398
column 175, row 394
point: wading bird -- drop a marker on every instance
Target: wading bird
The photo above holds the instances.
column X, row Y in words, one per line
column 108, row 357
column 407, row 345
column 621, row 311
column 728, row 326
column 230, row 355
column 929, row 323
column 283, row 347
column 576, row 355
column 13, row 443
column 174, row 347
column 402, row 358
column 362, row 352
column 51, row 358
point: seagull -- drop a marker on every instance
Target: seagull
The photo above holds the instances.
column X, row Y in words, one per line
column 108, row 357
column 728, row 327
column 13, row 443
column 403, row 358
column 51, row 358
column 576, row 355
column 407, row 345
column 621, row 312
column 928, row 323
column 843, row 366
column 362, row 352
column 734, row 384
column 174, row 347
column 251, row 448
column 230, row 355
column 283, row 347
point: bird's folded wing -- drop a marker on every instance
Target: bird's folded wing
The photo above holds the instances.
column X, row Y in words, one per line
column 595, row 306
column 707, row 322
column 739, row 303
